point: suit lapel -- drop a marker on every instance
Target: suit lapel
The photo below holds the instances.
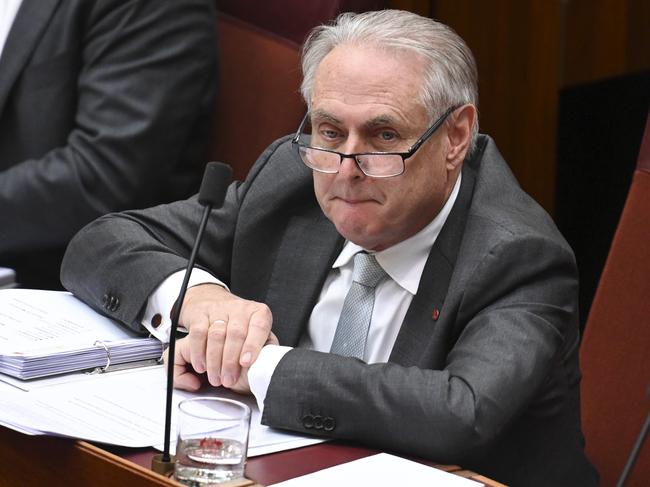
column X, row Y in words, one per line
column 32, row 18
column 427, row 308
column 308, row 249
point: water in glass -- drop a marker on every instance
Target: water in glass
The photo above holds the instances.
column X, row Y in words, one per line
column 209, row 461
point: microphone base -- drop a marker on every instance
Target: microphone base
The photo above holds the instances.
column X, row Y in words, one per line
column 162, row 467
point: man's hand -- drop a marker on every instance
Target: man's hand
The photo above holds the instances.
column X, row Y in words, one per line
column 185, row 377
column 226, row 334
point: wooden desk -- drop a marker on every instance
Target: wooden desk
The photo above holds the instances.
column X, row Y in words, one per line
column 50, row 461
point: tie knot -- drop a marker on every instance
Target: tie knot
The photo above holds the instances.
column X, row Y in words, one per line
column 367, row 270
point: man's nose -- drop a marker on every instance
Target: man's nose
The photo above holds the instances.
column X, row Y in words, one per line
column 354, row 143
column 350, row 169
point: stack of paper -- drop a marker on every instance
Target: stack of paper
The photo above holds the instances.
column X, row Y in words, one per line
column 43, row 332
column 46, row 333
column 125, row 407
column 42, row 362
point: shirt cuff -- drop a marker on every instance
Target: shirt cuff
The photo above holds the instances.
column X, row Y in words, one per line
column 156, row 318
column 260, row 373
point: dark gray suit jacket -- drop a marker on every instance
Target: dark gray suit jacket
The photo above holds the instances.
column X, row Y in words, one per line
column 104, row 106
column 491, row 383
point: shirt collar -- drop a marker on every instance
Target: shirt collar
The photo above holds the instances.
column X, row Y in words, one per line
column 404, row 262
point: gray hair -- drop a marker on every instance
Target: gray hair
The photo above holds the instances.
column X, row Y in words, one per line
column 451, row 77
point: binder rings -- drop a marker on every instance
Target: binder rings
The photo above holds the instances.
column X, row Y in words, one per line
column 45, row 333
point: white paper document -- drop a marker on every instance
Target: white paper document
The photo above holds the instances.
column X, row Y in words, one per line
column 124, row 408
column 44, row 333
column 379, row 470
column 46, row 330
column 35, row 320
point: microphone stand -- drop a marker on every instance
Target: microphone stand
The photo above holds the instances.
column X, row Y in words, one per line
column 635, row 450
column 212, row 193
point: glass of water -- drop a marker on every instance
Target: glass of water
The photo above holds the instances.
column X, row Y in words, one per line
column 212, row 440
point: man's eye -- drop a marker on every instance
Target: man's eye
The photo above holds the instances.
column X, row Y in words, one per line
column 387, row 136
column 329, row 134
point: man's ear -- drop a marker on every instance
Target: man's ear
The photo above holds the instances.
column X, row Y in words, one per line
column 459, row 134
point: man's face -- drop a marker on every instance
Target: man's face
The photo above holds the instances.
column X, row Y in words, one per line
column 367, row 100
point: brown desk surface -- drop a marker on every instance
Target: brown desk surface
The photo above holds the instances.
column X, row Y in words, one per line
column 284, row 465
column 51, row 461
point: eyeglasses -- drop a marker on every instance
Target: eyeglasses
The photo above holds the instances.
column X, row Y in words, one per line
column 373, row 164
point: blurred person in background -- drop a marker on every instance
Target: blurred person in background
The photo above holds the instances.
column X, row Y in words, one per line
column 104, row 106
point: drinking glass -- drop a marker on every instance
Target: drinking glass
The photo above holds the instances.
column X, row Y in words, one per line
column 212, row 440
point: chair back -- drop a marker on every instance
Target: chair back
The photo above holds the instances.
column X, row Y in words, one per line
column 258, row 96
column 615, row 351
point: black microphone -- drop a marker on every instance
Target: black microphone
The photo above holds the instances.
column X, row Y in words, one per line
column 214, row 185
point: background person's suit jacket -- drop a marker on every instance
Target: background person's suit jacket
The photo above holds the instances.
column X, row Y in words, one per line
column 104, row 106
column 492, row 384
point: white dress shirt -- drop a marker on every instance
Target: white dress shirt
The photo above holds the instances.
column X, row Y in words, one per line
column 404, row 264
column 8, row 11
column 156, row 318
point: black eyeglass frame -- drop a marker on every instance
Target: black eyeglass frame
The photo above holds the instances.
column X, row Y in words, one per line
column 404, row 155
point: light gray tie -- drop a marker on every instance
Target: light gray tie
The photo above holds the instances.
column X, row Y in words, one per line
column 352, row 329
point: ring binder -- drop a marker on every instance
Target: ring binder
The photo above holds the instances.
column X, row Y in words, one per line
column 108, row 356
column 128, row 365
column 124, row 366
column 80, row 341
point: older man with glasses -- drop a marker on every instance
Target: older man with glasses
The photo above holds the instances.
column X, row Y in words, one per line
column 379, row 276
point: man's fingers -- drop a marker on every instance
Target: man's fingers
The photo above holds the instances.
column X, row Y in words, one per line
column 242, row 386
column 272, row 340
column 188, row 381
column 198, row 336
column 226, row 333
column 214, row 350
column 236, row 335
column 184, row 377
column 246, row 335
column 200, row 309
column 259, row 331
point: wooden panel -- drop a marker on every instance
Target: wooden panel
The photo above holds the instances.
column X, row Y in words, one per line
column 638, row 36
column 30, row 460
column 595, row 39
column 517, row 48
column 605, row 38
column 422, row 7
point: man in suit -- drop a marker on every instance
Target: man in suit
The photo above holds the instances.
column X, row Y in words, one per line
column 104, row 106
column 468, row 353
